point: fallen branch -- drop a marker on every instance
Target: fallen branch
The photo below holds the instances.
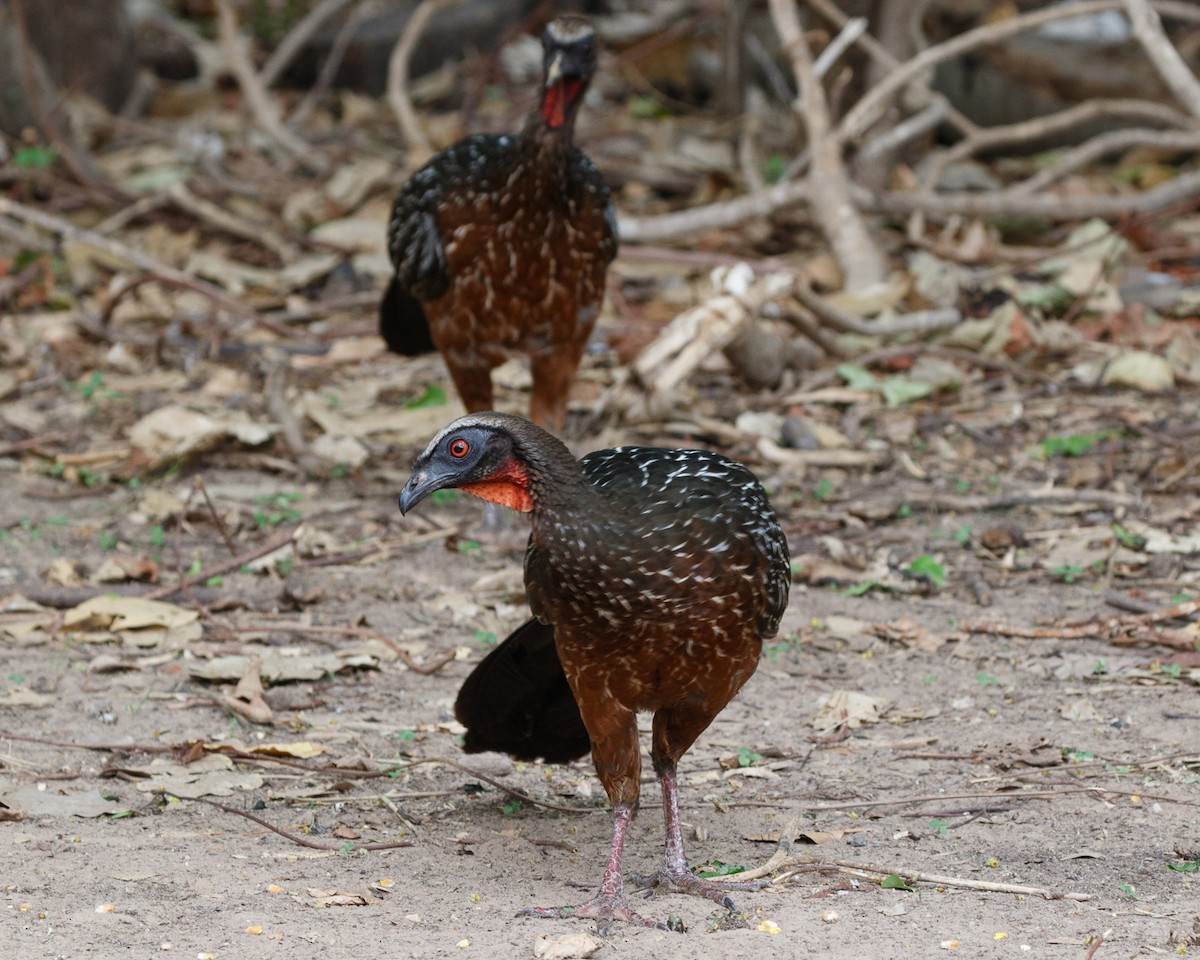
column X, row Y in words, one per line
column 923, row 321
column 337, row 53
column 1183, row 188
column 1038, row 128
column 956, row 504
column 863, row 264
column 225, row 566
column 1176, row 74
column 257, row 99
column 296, row 838
column 714, row 216
column 304, row 628
column 943, row 880
column 397, row 79
column 873, row 103
column 122, row 253
column 1101, row 145
column 290, row 45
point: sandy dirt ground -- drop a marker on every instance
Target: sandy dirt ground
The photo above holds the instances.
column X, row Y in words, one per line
column 1066, row 766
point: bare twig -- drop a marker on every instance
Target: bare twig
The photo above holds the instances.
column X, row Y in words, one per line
column 1176, row 74
column 714, row 216
column 1096, row 944
column 919, row 95
column 1101, row 145
column 257, row 99
column 847, row 37
column 305, row 628
column 221, row 218
column 871, row 106
column 290, row 45
column 862, row 263
column 296, row 838
column 122, row 253
column 922, row 321
column 942, row 880
column 1184, row 187
column 1031, row 131
column 337, row 52
column 225, row 566
column 397, row 79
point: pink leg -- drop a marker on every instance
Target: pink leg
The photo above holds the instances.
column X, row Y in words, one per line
column 674, row 874
column 610, row 903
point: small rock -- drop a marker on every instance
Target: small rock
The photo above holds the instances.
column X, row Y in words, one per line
column 797, row 434
column 1139, row 370
column 565, row 947
column 761, row 424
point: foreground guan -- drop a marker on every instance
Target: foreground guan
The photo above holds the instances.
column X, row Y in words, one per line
column 653, row 575
column 501, row 243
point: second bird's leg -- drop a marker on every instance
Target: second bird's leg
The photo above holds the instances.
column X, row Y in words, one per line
column 610, row 903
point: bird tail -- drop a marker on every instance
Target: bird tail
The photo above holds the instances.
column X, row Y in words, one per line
column 402, row 322
column 517, row 701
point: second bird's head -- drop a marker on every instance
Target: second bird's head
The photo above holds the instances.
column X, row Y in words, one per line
column 569, row 60
column 479, row 454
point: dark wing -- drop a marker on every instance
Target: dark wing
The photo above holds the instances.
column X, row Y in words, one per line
column 723, row 506
column 587, row 186
column 473, row 166
column 517, row 701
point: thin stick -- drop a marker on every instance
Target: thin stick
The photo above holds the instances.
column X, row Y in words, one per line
column 1027, row 131
column 942, row 880
column 1096, row 944
column 400, row 652
column 871, row 106
column 221, row 218
column 257, row 100
column 1101, row 145
column 862, row 262
column 337, row 52
column 290, row 45
column 922, row 321
column 225, row 566
column 124, row 254
column 397, row 78
column 199, row 484
column 1184, row 187
column 287, row 834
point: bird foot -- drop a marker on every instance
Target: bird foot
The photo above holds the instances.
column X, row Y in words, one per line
column 604, row 908
column 684, row 881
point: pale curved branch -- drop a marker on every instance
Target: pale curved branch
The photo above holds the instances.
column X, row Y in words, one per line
column 871, row 106
column 1177, row 75
column 1030, row 131
column 1102, row 144
column 397, row 78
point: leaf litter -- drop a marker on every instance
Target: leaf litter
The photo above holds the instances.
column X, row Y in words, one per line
column 1006, row 450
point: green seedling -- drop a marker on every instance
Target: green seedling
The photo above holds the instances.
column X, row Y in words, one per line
column 927, row 568
column 432, row 397
column 715, row 868
column 748, row 758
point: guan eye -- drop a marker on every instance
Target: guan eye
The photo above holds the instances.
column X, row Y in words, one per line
column 459, row 448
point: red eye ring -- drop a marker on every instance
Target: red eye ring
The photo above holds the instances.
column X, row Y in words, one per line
column 459, row 448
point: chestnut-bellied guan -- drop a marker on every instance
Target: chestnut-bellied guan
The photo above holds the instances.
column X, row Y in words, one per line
column 500, row 244
column 653, row 575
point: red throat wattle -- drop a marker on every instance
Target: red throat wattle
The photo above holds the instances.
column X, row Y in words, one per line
column 559, row 98
column 508, row 486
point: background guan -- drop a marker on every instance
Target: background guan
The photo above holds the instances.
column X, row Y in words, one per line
column 654, row 576
column 501, row 245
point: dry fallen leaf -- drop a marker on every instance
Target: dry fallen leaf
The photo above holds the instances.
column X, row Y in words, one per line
column 846, row 708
